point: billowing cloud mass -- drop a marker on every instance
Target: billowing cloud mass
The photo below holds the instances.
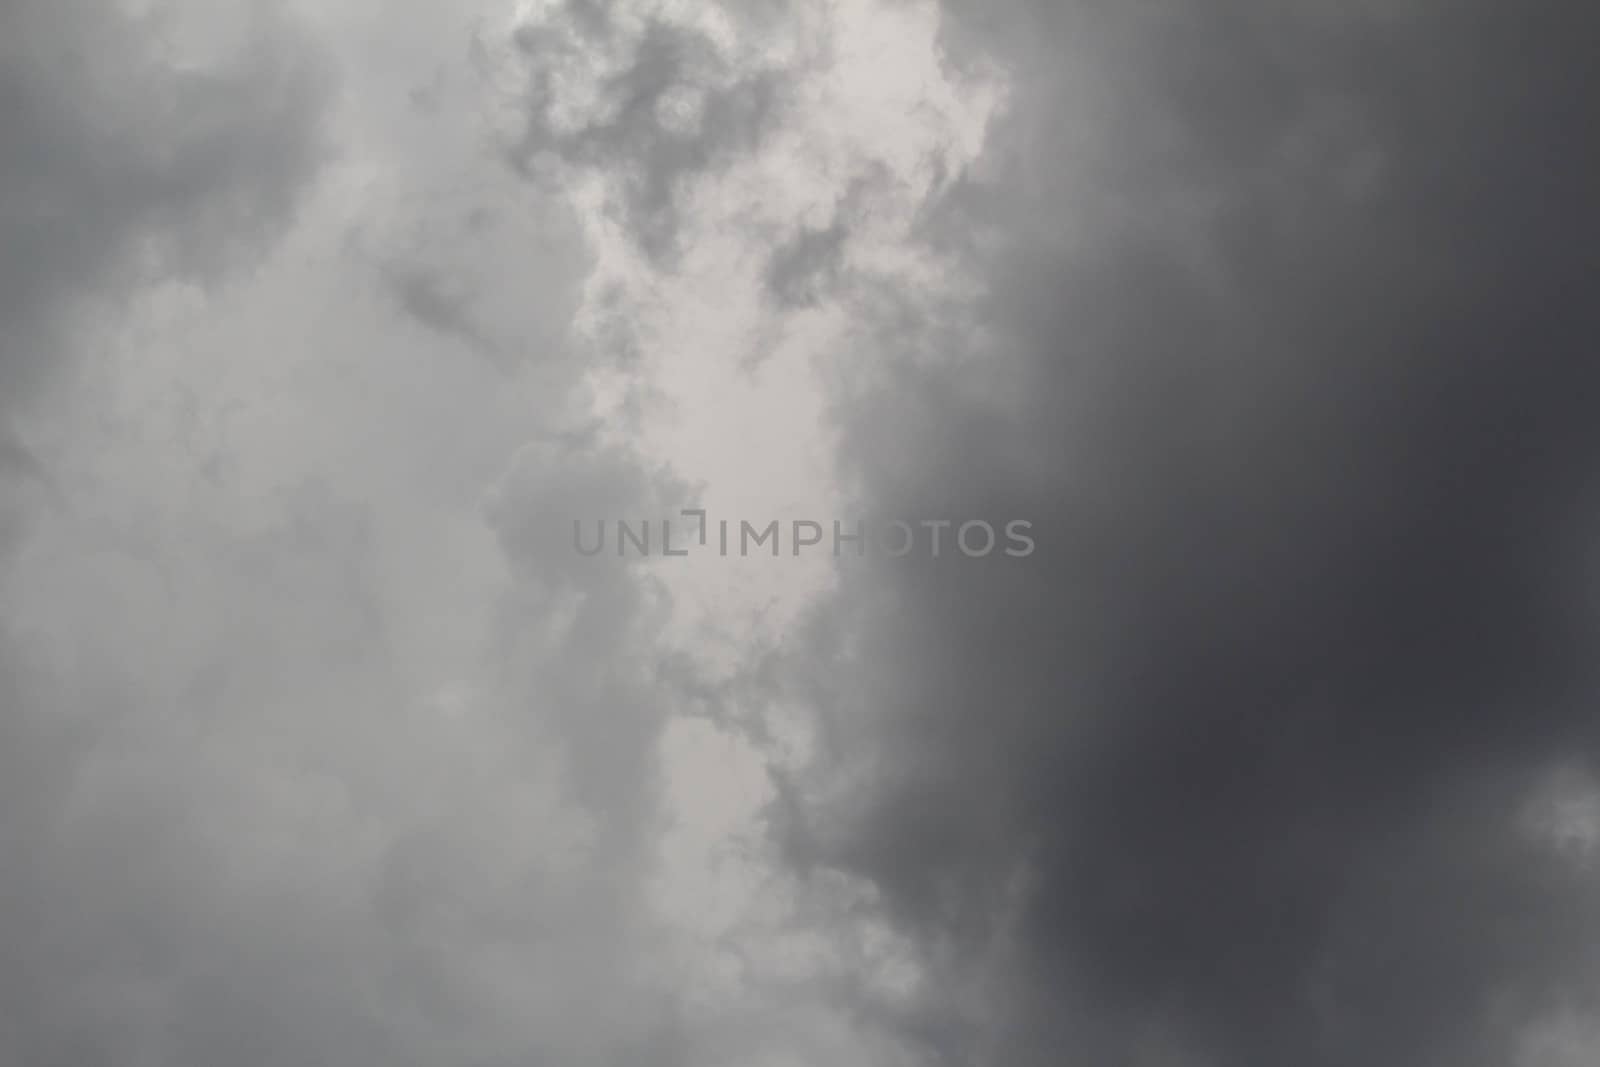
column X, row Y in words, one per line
column 114, row 163
column 320, row 744
column 1288, row 361
column 324, row 322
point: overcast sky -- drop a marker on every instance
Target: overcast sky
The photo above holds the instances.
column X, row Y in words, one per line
column 323, row 321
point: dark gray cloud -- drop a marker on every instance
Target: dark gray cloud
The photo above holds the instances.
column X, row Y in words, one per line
column 115, row 168
column 114, row 162
column 438, row 301
column 676, row 107
column 803, row 267
column 1294, row 374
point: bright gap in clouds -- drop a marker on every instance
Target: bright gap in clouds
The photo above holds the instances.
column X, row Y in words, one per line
column 704, row 367
column 712, row 367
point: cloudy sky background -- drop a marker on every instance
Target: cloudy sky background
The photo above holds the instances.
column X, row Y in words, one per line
column 322, row 322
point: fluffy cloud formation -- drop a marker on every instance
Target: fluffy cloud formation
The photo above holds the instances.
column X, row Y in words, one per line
column 319, row 742
column 307, row 755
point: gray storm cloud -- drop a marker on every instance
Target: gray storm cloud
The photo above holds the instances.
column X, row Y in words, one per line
column 1294, row 373
column 113, row 167
column 111, row 154
column 1277, row 749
